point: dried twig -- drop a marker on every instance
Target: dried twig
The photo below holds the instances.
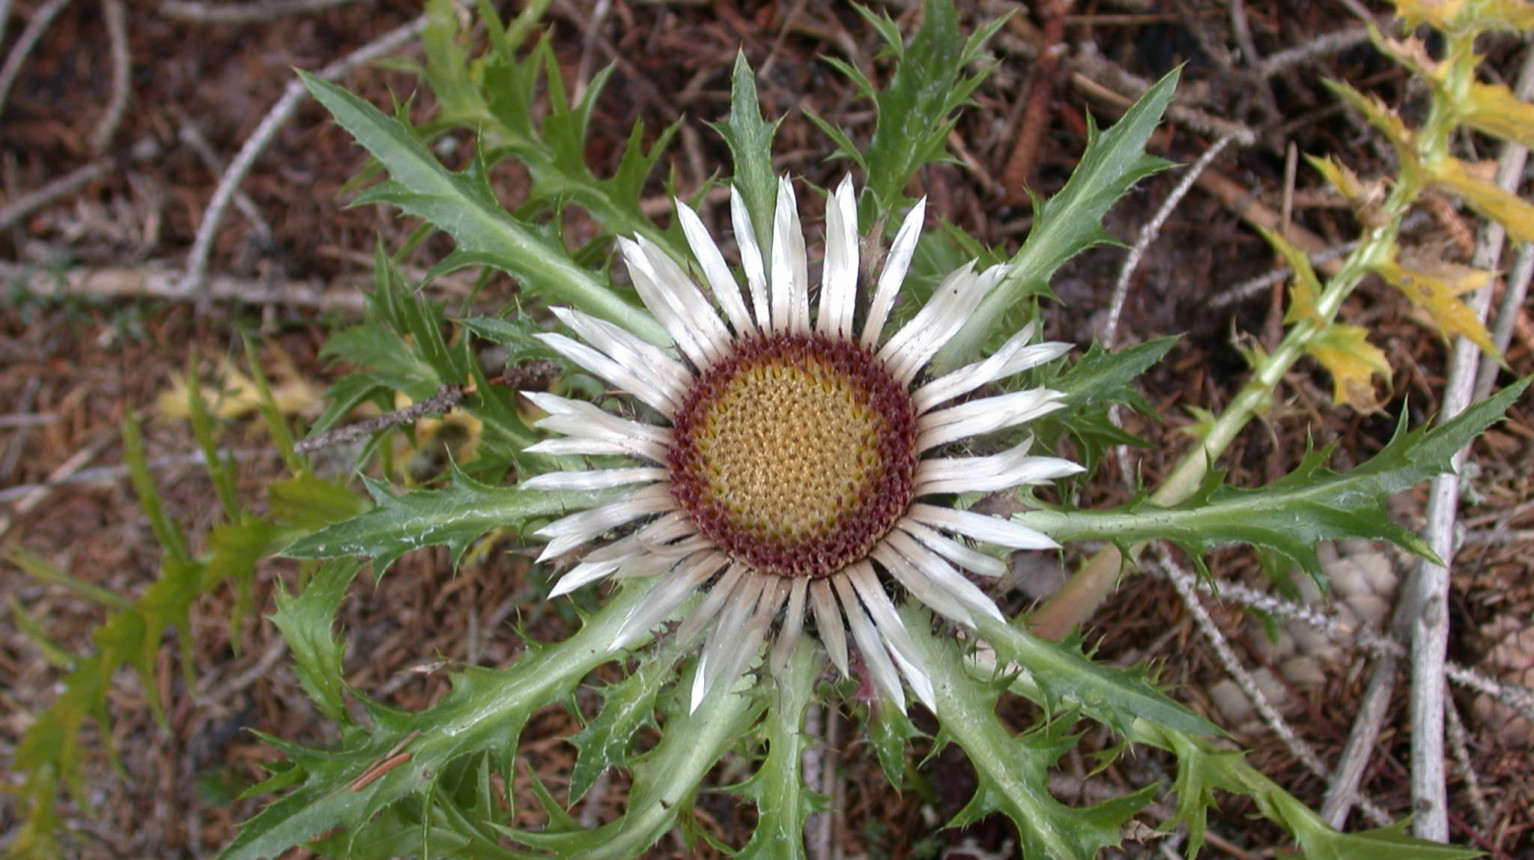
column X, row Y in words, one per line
column 192, row 136
column 1520, row 699
column 244, row 13
column 5, row 18
column 1041, row 91
column 1429, row 584
column 1186, row 585
column 1459, row 745
column 1321, row 46
column 69, row 183
column 25, row 43
column 594, row 26
column 1243, row 33
column 144, row 150
column 1515, row 290
column 1102, row 77
column 1149, row 233
column 69, row 475
column 27, row 419
column 1324, row 259
column 444, row 400
column 116, row 17
column 166, row 284
column 292, row 97
column 1342, row 791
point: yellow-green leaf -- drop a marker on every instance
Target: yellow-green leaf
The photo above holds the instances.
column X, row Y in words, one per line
column 1467, row 16
column 1494, row 110
column 1410, row 52
column 1307, row 287
column 1387, row 121
column 1439, row 14
column 1339, row 175
column 1434, row 286
column 1471, row 183
column 1353, row 362
column 1364, row 197
column 1502, row 15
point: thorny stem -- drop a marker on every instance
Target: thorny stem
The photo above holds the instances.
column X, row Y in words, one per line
column 1090, row 585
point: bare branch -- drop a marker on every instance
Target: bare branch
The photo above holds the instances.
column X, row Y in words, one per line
column 442, row 402
column 1429, row 585
column 1149, row 233
column 165, row 284
column 25, row 43
column 292, row 97
column 1304, row 753
column 244, row 13
column 116, row 17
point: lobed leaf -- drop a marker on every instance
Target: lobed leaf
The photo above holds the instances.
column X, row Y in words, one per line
column 783, row 800
column 1071, row 221
column 1346, row 353
column 627, row 707
column 483, row 714
column 464, row 206
column 1296, row 513
column 305, row 622
column 1471, row 184
column 1467, row 16
column 1494, row 110
column 1013, row 772
column 749, row 138
column 1067, row 679
column 918, row 109
column 455, row 516
column 1434, row 286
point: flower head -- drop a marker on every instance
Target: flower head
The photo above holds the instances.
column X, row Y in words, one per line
column 791, row 474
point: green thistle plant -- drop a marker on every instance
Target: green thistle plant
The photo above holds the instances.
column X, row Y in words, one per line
column 782, row 482
column 777, row 472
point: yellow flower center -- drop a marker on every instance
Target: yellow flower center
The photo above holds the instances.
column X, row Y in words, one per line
column 795, row 453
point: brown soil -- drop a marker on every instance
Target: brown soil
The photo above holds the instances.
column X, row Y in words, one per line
column 76, row 366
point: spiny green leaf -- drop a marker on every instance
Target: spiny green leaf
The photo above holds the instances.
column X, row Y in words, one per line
column 750, row 140
column 890, row 732
column 665, row 783
column 309, row 503
column 220, row 469
column 783, row 801
column 1320, row 842
column 1013, row 772
column 305, row 621
column 45, row 571
column 483, row 713
column 27, row 626
column 1201, row 770
column 166, row 532
column 1071, row 221
column 1101, row 376
column 276, row 423
column 1115, row 697
column 628, row 706
column 1294, row 514
column 918, row 109
column 455, row 516
column 514, row 334
column 465, row 207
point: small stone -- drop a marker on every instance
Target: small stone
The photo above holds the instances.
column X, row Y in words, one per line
column 1348, row 578
column 1383, row 579
column 1510, row 660
column 1232, row 705
column 1371, row 609
column 1304, row 671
